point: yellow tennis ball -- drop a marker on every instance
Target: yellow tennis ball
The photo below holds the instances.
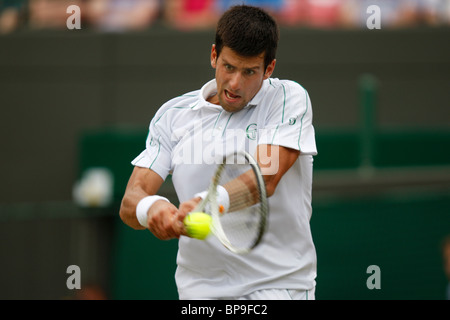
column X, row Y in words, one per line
column 198, row 225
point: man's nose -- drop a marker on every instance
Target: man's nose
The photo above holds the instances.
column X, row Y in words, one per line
column 235, row 82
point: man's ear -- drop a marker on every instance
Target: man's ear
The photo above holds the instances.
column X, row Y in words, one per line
column 270, row 68
column 213, row 56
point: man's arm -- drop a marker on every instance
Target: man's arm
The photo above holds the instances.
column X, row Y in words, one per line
column 164, row 220
column 274, row 162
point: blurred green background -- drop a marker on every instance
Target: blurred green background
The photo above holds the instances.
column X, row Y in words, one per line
column 71, row 101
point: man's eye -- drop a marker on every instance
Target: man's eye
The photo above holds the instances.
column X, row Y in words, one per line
column 228, row 67
column 250, row 72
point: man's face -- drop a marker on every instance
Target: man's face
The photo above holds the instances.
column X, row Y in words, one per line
column 238, row 78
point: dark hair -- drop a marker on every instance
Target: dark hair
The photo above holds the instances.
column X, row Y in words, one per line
column 249, row 31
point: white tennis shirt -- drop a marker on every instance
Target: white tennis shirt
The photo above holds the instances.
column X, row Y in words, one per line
column 186, row 137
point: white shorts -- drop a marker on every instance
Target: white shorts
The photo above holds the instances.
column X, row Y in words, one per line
column 280, row 294
column 274, row 294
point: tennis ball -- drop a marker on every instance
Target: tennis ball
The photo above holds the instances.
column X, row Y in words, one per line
column 198, row 225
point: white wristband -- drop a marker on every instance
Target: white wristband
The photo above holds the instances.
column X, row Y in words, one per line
column 143, row 207
column 201, row 195
column 223, row 198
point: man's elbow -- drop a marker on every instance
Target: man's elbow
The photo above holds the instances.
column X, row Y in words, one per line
column 270, row 192
column 270, row 186
column 122, row 212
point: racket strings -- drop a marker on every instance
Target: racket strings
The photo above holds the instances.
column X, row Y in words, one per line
column 242, row 223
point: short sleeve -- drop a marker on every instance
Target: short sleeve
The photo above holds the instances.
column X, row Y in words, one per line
column 289, row 120
column 157, row 154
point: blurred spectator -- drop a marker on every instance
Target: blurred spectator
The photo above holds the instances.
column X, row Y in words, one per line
column 314, row 13
column 49, row 14
column 355, row 12
column 186, row 15
column 445, row 12
column 396, row 13
column 426, row 11
column 446, row 258
column 322, row 13
column 11, row 15
column 272, row 6
column 121, row 15
column 311, row 13
column 190, row 14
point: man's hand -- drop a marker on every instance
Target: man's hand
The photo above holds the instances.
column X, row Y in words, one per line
column 165, row 221
column 188, row 206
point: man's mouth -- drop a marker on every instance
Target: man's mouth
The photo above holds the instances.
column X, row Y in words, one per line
column 231, row 96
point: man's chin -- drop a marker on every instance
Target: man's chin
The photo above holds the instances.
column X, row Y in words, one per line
column 232, row 107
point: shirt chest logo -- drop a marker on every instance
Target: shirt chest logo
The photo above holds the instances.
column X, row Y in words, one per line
column 292, row 121
column 251, row 131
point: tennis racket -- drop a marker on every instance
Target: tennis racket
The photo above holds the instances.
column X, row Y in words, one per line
column 242, row 226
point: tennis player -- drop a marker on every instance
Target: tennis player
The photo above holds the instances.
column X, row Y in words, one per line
column 242, row 108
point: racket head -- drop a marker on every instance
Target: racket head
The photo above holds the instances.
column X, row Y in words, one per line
column 241, row 228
